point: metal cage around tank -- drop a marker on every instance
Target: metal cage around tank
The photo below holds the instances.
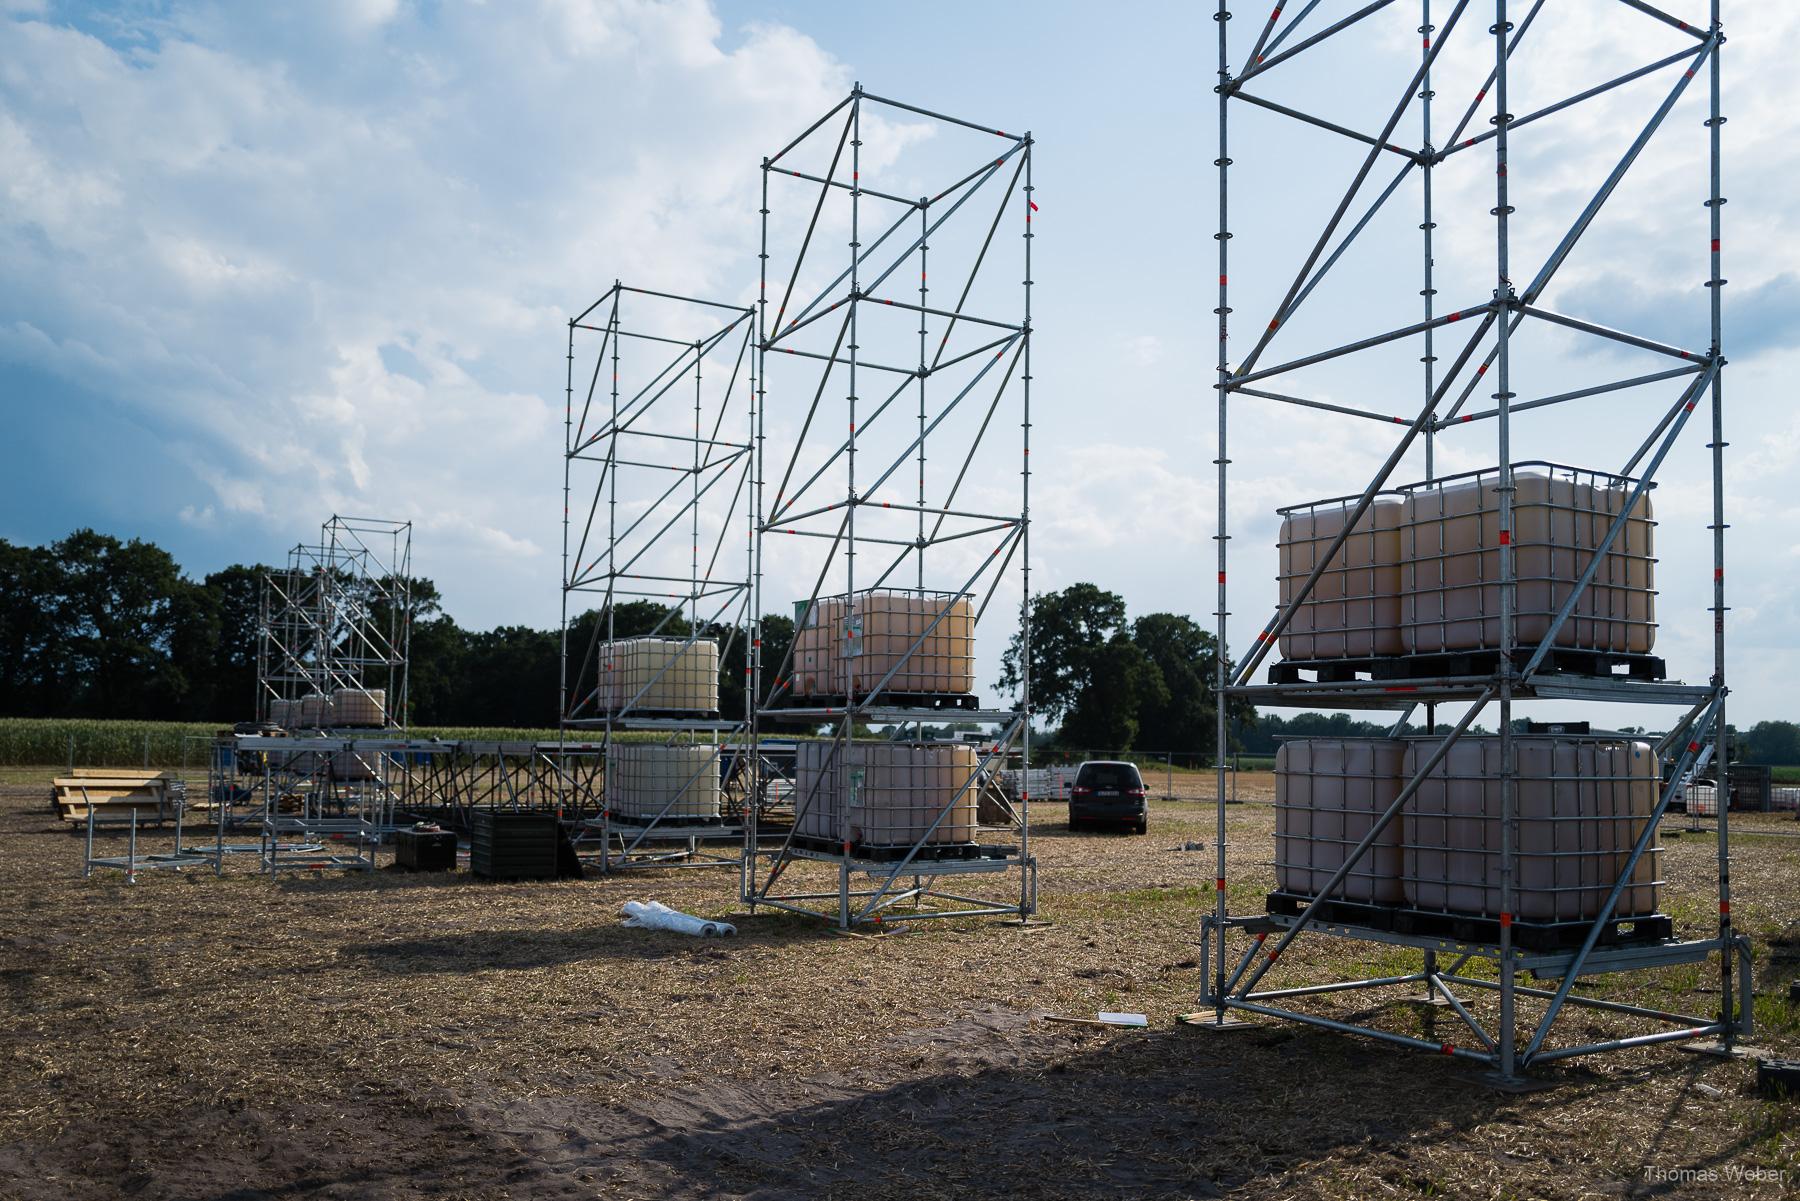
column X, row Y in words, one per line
column 660, row 410
column 894, row 347
column 1465, row 345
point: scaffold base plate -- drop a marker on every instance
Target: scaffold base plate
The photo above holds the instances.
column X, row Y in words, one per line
column 1204, row 1020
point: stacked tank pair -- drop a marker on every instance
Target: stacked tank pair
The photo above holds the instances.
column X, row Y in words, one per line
column 920, row 643
column 345, row 708
column 659, row 675
column 1582, row 804
column 1419, row 572
column 885, row 795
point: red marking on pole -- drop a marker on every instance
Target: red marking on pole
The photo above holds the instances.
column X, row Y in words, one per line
column 1715, row 245
column 1274, row 323
column 1220, row 884
column 1221, row 281
column 1481, row 95
column 1275, row 954
column 1505, row 920
column 1505, row 537
column 1453, row 317
column 1479, row 371
column 1693, row 747
column 1690, row 404
column 1718, row 573
column 1448, row 1048
column 1724, row 908
column 1221, row 577
column 1403, row 688
column 1261, row 938
column 1689, row 72
column 1468, row 416
column 1427, row 43
column 1399, row 421
column 1033, row 204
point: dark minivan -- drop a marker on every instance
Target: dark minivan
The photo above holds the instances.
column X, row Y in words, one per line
column 1108, row 793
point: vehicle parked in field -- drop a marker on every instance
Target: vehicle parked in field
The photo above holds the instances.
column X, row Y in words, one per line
column 1108, row 793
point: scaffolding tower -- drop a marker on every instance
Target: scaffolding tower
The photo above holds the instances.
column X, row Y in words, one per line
column 1512, row 1033
column 656, row 491
column 893, row 320
column 339, row 615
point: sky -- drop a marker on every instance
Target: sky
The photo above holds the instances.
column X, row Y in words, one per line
column 268, row 263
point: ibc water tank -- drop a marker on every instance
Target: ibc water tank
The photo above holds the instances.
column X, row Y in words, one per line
column 677, row 782
column 881, row 628
column 314, row 711
column 353, row 708
column 1353, row 611
column 1450, row 562
column 660, row 675
column 1581, row 804
column 1328, row 793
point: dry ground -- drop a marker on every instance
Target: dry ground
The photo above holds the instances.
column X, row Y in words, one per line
column 402, row 1037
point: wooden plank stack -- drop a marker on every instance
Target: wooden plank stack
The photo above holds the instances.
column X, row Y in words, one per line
column 114, row 794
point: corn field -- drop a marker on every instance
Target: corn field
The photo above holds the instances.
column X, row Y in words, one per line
column 86, row 742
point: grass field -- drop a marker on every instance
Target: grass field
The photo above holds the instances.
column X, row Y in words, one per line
column 387, row 1036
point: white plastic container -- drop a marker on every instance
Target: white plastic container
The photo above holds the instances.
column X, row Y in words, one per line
column 284, row 712
column 815, row 669
column 678, row 782
column 1353, row 611
column 357, row 708
column 1581, row 805
column 818, row 801
column 885, row 794
column 880, row 630
column 1450, row 562
column 313, row 712
column 894, row 793
column 1328, row 793
column 660, row 675
column 356, row 765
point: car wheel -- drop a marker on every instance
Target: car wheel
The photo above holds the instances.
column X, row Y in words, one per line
column 1074, row 826
column 1143, row 826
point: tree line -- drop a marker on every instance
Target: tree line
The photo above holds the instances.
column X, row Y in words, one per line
column 95, row 627
column 91, row 626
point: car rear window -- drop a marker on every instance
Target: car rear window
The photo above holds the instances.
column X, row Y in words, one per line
column 1109, row 775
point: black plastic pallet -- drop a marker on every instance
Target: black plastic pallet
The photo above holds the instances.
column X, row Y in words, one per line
column 1470, row 928
column 932, row 853
column 1778, row 1078
column 684, row 823
column 950, row 701
column 658, row 714
column 1467, row 664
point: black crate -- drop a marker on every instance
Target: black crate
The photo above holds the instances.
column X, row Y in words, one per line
column 1777, row 1079
column 514, row 846
column 425, row 850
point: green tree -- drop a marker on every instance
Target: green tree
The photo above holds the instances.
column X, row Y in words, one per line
column 1188, row 658
column 1121, row 684
column 33, row 655
column 1069, row 631
column 115, row 609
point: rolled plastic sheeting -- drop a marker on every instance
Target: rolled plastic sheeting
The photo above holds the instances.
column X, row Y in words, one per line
column 654, row 915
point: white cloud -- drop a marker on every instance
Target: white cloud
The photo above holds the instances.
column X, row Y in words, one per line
column 226, row 216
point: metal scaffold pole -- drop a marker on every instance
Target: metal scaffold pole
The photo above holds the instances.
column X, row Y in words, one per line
column 1520, row 664
column 866, row 526
column 651, row 438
